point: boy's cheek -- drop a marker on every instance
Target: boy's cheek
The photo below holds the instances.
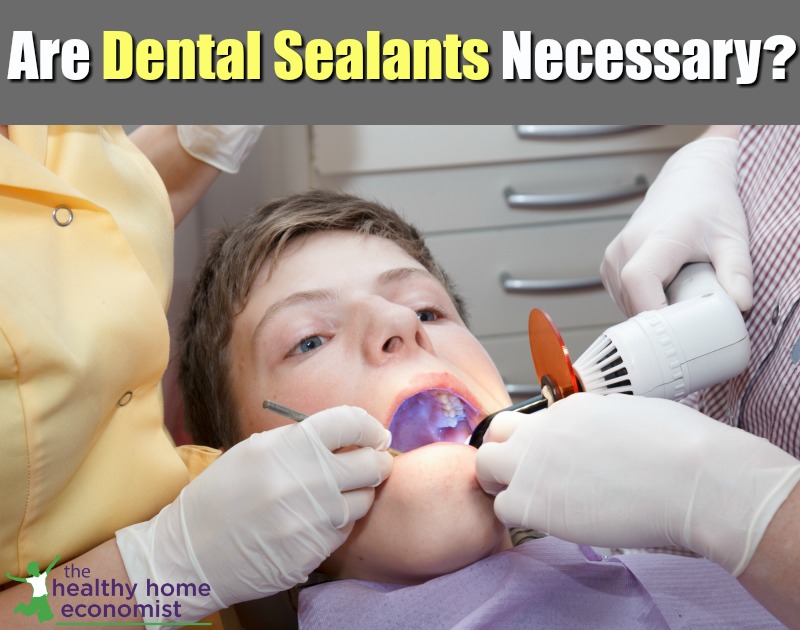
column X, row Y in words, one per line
column 260, row 420
column 430, row 517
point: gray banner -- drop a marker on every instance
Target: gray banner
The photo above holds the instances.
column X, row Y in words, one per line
column 594, row 68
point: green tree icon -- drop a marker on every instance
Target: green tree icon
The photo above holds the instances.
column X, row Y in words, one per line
column 38, row 605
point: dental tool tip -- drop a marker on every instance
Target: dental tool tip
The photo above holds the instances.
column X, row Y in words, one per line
column 286, row 412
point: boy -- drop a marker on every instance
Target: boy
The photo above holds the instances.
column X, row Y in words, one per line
column 322, row 299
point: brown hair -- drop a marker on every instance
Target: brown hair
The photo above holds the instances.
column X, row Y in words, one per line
column 222, row 286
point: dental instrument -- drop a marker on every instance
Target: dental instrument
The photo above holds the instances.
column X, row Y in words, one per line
column 286, row 412
column 698, row 340
column 293, row 414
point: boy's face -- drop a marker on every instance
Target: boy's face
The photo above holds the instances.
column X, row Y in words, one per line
column 343, row 318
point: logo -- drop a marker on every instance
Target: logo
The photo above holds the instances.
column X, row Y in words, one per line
column 38, row 605
column 111, row 602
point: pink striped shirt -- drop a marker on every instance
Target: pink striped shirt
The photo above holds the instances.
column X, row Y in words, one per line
column 765, row 400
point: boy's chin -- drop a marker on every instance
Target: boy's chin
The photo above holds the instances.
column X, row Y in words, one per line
column 429, row 518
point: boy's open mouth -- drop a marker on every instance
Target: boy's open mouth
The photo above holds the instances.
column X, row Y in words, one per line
column 432, row 415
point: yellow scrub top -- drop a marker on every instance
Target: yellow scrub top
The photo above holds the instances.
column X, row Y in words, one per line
column 86, row 238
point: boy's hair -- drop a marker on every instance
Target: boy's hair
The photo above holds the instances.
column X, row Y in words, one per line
column 223, row 284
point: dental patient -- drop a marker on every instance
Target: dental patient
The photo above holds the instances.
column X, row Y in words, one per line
column 320, row 300
column 323, row 300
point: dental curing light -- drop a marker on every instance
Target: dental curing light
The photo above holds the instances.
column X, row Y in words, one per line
column 699, row 340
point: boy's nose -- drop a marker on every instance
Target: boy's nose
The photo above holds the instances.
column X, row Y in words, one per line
column 392, row 330
column 392, row 344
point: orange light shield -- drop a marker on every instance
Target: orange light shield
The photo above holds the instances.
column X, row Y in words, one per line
column 550, row 355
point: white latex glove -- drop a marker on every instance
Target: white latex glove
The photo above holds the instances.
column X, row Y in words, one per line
column 264, row 515
column 625, row 471
column 691, row 213
column 222, row 146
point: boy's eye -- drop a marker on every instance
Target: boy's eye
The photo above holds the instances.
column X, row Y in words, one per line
column 428, row 315
column 309, row 344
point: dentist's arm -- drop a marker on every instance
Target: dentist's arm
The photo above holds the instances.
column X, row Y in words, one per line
column 691, row 213
column 189, row 157
column 255, row 522
column 773, row 575
column 265, row 514
column 625, row 471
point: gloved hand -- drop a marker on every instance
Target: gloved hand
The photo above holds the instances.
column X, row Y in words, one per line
column 691, row 213
column 222, row 146
column 625, row 471
column 264, row 515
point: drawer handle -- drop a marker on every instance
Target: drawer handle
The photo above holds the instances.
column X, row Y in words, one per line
column 520, row 200
column 519, row 285
column 524, row 391
column 573, row 131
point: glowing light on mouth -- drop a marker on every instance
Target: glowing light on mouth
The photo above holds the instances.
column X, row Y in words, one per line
column 432, row 415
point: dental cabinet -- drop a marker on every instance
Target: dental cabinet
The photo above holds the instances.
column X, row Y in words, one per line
column 519, row 216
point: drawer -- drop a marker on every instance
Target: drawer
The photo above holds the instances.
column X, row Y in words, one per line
column 511, row 354
column 340, row 149
column 476, row 261
column 474, row 197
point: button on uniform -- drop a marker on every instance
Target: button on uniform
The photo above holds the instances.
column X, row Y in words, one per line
column 62, row 216
column 124, row 399
column 776, row 314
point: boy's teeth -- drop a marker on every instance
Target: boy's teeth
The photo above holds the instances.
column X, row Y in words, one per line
column 451, row 406
column 449, row 401
column 430, row 416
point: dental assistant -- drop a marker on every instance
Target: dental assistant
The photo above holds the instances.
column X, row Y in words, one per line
column 622, row 471
column 86, row 235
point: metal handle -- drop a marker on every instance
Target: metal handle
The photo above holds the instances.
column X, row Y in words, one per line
column 519, row 285
column 517, row 389
column 532, row 405
column 520, row 200
column 573, row 131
